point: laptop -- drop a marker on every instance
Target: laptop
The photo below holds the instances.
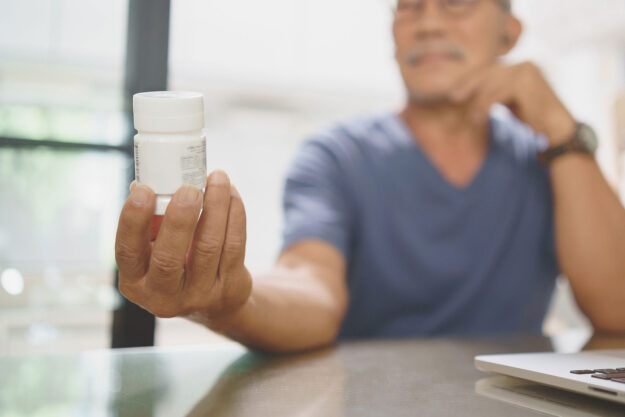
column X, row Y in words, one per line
column 545, row 400
column 598, row 373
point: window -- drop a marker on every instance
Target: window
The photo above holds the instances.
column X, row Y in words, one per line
column 61, row 85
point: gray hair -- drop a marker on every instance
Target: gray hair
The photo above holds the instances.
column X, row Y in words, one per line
column 506, row 5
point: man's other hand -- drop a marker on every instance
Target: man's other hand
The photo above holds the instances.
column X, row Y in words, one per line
column 525, row 91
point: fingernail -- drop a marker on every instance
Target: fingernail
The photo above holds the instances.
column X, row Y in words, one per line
column 132, row 185
column 140, row 195
column 235, row 192
column 188, row 195
column 218, row 177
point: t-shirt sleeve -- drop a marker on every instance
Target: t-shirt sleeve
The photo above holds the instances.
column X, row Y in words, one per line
column 316, row 200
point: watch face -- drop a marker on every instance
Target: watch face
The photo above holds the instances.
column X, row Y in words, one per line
column 588, row 138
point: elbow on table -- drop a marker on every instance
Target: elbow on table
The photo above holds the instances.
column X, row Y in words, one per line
column 605, row 310
column 293, row 346
column 609, row 322
column 323, row 333
column 328, row 330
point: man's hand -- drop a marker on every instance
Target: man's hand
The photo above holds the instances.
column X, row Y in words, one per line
column 524, row 90
column 193, row 265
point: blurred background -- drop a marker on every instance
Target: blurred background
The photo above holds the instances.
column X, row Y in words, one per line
column 272, row 73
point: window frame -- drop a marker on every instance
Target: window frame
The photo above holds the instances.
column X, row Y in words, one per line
column 145, row 69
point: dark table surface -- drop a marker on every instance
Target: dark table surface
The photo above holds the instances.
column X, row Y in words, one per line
column 372, row 378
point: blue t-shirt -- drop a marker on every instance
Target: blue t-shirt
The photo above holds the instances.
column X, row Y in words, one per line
column 425, row 257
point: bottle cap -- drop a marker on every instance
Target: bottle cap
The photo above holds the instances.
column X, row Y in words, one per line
column 168, row 111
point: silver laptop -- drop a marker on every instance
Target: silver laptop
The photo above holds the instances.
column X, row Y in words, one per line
column 545, row 400
column 599, row 373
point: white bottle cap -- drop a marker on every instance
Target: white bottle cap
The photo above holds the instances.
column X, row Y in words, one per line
column 168, row 111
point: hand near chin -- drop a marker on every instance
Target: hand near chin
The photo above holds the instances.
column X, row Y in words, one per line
column 525, row 91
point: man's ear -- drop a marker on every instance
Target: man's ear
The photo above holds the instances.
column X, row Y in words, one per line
column 511, row 33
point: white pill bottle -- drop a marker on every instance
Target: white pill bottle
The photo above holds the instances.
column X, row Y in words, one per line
column 170, row 146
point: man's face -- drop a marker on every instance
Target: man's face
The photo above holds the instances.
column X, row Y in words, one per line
column 436, row 48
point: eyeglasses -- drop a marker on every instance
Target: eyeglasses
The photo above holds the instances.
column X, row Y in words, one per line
column 414, row 8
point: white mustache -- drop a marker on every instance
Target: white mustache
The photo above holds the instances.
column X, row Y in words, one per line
column 417, row 53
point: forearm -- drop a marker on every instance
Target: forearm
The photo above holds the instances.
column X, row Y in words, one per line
column 288, row 310
column 590, row 237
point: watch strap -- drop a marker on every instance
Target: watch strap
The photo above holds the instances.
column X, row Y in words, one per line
column 574, row 144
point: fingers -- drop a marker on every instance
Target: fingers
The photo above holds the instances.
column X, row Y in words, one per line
column 236, row 279
column 508, row 86
column 157, row 220
column 210, row 235
column 470, row 85
column 495, row 92
column 233, row 254
column 192, row 255
column 167, row 264
column 234, row 284
column 155, row 226
column 132, row 248
column 497, row 84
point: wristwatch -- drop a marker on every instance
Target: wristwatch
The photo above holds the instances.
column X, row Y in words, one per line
column 584, row 141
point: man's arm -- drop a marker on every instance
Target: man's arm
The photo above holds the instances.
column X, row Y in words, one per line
column 589, row 219
column 590, row 239
column 299, row 304
column 195, row 268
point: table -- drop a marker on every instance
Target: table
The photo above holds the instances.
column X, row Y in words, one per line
column 431, row 377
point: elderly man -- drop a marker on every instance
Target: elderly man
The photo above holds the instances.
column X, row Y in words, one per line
column 440, row 220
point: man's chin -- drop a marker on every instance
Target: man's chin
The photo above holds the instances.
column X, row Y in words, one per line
column 429, row 98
